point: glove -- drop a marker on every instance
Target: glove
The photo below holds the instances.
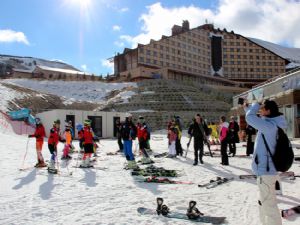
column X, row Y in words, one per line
column 29, row 136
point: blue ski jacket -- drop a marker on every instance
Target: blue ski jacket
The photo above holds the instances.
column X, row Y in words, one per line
column 268, row 127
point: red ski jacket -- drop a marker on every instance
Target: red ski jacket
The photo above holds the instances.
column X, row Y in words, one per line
column 39, row 133
column 142, row 132
column 54, row 136
column 88, row 135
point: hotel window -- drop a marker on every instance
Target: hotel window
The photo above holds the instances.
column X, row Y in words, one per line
column 238, row 56
column 257, row 70
column 147, row 60
column 257, row 57
column 178, row 52
column 239, row 62
column 250, row 57
column 245, row 44
column 263, row 63
column 148, row 52
column 238, row 49
column 161, row 47
column 237, row 43
column 167, row 49
column 257, row 63
column 161, row 63
column 178, row 44
column 251, row 69
column 161, row 55
column 250, row 50
column 244, row 56
column 232, row 56
column 179, row 59
column 154, row 62
column 155, row 45
column 154, row 53
column 232, row 62
column 167, row 57
column 141, row 59
column 232, row 49
column 141, row 50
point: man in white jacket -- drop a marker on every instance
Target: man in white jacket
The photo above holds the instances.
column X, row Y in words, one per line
column 262, row 164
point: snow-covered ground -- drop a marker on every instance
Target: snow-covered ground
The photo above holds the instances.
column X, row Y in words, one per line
column 111, row 196
column 72, row 91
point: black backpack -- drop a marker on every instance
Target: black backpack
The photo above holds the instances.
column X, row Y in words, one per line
column 283, row 156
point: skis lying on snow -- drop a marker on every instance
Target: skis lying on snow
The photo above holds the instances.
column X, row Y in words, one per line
column 286, row 213
column 153, row 179
column 91, row 167
column 161, row 155
column 178, row 215
column 154, row 171
column 290, row 174
column 216, row 182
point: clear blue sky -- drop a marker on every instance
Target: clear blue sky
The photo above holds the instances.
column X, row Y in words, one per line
column 86, row 32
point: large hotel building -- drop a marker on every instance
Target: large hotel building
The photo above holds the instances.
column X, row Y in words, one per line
column 202, row 54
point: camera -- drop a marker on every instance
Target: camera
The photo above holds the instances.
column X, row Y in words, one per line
column 241, row 101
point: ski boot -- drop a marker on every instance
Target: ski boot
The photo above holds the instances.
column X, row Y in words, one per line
column 192, row 212
column 161, row 209
column 51, row 167
column 86, row 163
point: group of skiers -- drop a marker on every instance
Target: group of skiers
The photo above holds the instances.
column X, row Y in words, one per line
column 127, row 131
column 86, row 137
column 200, row 131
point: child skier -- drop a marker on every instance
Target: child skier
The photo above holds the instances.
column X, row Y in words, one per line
column 53, row 140
column 68, row 143
column 142, row 135
column 39, row 134
column 172, row 136
column 88, row 144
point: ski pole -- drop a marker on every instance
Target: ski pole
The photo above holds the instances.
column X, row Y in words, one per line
column 22, row 167
column 208, row 146
column 188, row 145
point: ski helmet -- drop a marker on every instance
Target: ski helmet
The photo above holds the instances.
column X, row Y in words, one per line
column 38, row 120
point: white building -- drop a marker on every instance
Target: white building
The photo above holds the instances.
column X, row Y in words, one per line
column 103, row 123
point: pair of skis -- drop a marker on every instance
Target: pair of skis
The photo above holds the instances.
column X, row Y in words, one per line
column 216, row 182
column 289, row 174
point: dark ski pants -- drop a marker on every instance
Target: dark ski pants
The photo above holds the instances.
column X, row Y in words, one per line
column 232, row 147
column 143, row 145
column 250, row 146
column 224, row 155
column 198, row 147
column 53, row 151
column 120, row 143
column 178, row 147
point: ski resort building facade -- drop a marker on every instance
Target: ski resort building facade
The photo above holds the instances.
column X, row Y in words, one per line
column 103, row 123
column 198, row 53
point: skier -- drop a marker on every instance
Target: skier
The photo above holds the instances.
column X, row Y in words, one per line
column 172, row 136
column 262, row 164
column 79, row 128
column 88, row 144
column 70, row 124
column 67, row 147
column 53, row 140
column 142, row 135
column 178, row 127
column 199, row 130
column 118, row 134
column 223, row 127
column 39, row 134
column 233, row 136
column 128, row 132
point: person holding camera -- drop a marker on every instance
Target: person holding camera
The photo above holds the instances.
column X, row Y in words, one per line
column 262, row 164
column 199, row 131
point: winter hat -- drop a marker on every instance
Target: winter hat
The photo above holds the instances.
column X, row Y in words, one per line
column 38, row 120
column 87, row 123
column 79, row 127
column 56, row 121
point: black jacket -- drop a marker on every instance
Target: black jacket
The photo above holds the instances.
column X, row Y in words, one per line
column 197, row 132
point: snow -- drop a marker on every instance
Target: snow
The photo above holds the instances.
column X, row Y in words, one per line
column 92, row 91
column 7, row 95
column 111, row 196
column 28, row 63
